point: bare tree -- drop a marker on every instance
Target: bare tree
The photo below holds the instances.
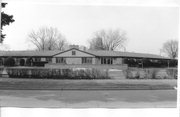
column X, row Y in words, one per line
column 108, row 40
column 47, row 39
column 170, row 48
column 62, row 44
column 38, row 38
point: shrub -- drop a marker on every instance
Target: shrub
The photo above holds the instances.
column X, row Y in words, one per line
column 172, row 73
column 161, row 74
column 142, row 74
column 151, row 73
column 132, row 74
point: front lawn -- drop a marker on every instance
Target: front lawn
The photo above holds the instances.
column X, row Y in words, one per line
column 108, row 84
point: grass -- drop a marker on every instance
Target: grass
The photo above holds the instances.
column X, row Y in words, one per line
column 48, row 84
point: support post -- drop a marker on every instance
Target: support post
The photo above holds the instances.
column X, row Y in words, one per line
column 168, row 63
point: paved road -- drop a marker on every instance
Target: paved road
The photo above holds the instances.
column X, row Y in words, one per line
column 91, row 98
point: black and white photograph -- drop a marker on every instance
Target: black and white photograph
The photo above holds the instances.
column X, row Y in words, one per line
column 80, row 56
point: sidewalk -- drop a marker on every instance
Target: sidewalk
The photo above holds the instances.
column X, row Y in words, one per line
column 89, row 99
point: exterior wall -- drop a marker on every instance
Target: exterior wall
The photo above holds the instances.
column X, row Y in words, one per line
column 73, row 60
column 97, row 61
column 117, row 61
column 43, row 59
column 53, row 60
column 17, row 60
column 93, row 60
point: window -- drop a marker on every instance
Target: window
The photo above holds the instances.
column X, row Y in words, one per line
column 60, row 60
column 106, row 61
column 73, row 52
column 37, row 59
column 86, row 60
column 48, row 59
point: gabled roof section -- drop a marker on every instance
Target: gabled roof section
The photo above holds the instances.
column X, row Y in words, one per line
column 86, row 52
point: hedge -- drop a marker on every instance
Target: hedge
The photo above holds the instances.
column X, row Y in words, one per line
column 151, row 73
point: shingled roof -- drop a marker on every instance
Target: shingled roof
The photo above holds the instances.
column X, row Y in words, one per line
column 28, row 53
column 125, row 54
column 98, row 53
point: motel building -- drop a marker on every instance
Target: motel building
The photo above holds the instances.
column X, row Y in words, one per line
column 78, row 58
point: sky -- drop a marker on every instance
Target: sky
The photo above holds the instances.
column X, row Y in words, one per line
column 147, row 27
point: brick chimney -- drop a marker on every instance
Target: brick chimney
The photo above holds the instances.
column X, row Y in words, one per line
column 82, row 48
column 74, row 46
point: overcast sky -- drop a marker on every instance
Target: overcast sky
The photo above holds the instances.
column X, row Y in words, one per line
column 147, row 27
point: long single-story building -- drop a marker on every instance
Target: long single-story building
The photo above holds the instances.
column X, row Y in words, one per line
column 75, row 57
